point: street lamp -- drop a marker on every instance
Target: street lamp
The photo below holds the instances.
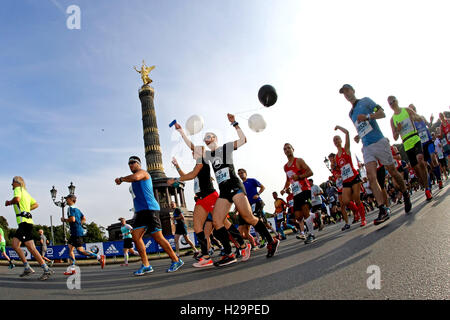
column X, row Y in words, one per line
column 62, row 204
column 327, row 163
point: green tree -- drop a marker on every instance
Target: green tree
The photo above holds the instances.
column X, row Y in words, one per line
column 95, row 233
column 5, row 227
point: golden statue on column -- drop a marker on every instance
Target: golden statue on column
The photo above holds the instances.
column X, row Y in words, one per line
column 144, row 73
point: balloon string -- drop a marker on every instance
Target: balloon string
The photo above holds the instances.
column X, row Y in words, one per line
column 248, row 111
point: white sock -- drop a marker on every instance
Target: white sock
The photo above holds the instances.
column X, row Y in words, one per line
column 125, row 258
column 309, row 222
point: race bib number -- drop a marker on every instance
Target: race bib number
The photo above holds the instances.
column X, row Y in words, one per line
column 423, row 136
column 196, row 186
column 280, row 216
column 440, row 154
column 222, row 175
column 407, row 127
column 363, row 128
column 444, row 143
column 253, row 207
column 331, row 199
column 339, row 184
column 291, row 203
column 347, row 172
column 296, row 189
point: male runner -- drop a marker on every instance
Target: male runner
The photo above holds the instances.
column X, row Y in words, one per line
column 147, row 216
column 23, row 204
column 364, row 115
column 126, row 229
column 402, row 124
column 297, row 174
column 279, row 215
column 440, row 154
column 316, row 202
column 75, row 218
column 43, row 241
column 181, row 230
column 429, row 149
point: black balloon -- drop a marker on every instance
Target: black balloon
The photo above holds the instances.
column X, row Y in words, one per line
column 267, row 95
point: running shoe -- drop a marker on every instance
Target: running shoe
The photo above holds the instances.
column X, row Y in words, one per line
column 428, row 195
column 175, row 266
column 211, row 252
column 143, row 270
column 311, row 238
column 346, row 227
column 203, row 263
column 70, row 272
column 408, row 204
column 272, row 248
column 102, row 261
column 27, row 272
column 245, row 253
column 11, row 265
column 45, row 275
column 263, row 244
column 225, row 260
column 51, row 263
column 301, row 236
column 363, row 223
column 383, row 215
column 196, row 254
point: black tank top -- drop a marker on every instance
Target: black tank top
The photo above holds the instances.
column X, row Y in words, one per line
column 203, row 186
column 222, row 163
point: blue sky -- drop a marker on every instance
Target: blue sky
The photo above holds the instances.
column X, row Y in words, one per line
column 69, row 107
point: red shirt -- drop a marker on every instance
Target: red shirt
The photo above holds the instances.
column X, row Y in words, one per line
column 337, row 179
column 297, row 186
column 445, row 130
column 290, row 200
column 345, row 163
column 399, row 163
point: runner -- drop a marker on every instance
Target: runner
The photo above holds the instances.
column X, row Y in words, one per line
column 3, row 249
column 364, row 115
column 429, row 149
column 253, row 195
column 43, row 242
column 181, row 230
column 316, row 202
column 337, row 177
column 402, row 124
column 297, row 174
column 23, row 204
column 445, row 134
column 333, row 193
column 440, row 154
column 127, row 241
column 75, row 218
column 279, row 215
column 351, row 179
column 147, row 216
column 231, row 191
column 291, row 222
column 206, row 197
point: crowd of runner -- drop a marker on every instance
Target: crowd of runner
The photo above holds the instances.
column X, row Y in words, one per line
column 384, row 179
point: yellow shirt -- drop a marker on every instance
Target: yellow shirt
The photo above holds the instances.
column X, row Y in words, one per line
column 25, row 203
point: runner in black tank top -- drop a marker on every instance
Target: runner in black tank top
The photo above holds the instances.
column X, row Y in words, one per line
column 231, row 191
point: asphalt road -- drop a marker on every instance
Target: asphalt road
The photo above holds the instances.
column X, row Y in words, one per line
column 412, row 253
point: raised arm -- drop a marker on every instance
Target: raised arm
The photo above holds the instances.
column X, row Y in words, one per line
column 184, row 136
column 347, row 137
column 242, row 139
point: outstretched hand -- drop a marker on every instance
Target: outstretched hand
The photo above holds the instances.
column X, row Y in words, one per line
column 174, row 162
column 231, row 117
column 177, row 126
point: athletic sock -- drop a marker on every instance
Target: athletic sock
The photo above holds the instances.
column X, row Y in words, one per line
column 45, row 267
column 203, row 243
column 362, row 212
column 125, row 258
column 262, row 230
column 236, row 235
column 310, row 223
column 222, row 236
column 26, row 265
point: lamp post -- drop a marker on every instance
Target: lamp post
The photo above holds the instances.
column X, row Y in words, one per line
column 62, row 204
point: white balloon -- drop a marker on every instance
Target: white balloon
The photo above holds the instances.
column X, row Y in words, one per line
column 194, row 124
column 257, row 123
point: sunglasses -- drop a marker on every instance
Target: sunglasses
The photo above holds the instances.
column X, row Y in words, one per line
column 208, row 137
column 132, row 162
